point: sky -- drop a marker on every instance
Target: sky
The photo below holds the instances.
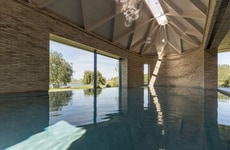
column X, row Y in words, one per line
column 83, row 60
column 224, row 58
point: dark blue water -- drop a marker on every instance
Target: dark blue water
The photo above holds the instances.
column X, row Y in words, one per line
column 133, row 119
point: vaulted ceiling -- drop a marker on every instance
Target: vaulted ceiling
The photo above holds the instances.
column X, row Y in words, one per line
column 184, row 31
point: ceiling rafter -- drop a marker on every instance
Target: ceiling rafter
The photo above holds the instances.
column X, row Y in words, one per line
column 194, row 24
column 174, row 7
column 148, row 35
column 185, row 15
column 83, row 13
column 183, row 28
column 180, row 12
column 159, row 41
column 183, row 35
column 100, row 22
column 166, row 33
column 135, row 25
column 201, row 7
column 115, row 20
column 41, row 3
column 174, row 47
column 138, row 44
column 180, row 40
column 131, row 31
column 154, row 29
column 191, row 32
column 177, row 24
column 125, row 34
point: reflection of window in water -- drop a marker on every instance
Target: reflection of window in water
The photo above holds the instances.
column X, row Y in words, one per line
column 146, row 99
column 223, row 109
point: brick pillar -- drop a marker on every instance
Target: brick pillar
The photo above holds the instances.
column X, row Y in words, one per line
column 210, row 69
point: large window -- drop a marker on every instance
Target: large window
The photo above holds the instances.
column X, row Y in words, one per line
column 224, row 69
column 95, row 74
column 109, row 68
column 83, row 67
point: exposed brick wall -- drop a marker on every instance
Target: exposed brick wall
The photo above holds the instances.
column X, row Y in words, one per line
column 182, row 70
column 24, row 53
column 24, row 47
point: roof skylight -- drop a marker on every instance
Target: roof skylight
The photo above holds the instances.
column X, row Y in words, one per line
column 157, row 11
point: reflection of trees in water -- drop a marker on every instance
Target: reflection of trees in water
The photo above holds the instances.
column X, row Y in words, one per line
column 59, row 99
column 90, row 92
column 222, row 96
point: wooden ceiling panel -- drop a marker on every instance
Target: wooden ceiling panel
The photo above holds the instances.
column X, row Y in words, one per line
column 105, row 30
column 70, row 9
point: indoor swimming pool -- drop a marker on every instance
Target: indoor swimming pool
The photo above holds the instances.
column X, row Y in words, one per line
column 159, row 118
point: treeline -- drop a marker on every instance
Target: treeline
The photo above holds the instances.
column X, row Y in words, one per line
column 224, row 75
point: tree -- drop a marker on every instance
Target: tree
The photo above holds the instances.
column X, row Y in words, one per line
column 223, row 75
column 88, row 78
column 60, row 70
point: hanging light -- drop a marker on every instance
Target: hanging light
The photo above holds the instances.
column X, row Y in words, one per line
column 130, row 10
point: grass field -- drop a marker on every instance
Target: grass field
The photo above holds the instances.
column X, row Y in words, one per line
column 111, row 83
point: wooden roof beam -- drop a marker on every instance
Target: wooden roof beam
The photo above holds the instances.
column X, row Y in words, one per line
column 201, row 7
column 138, row 44
column 83, row 13
column 183, row 35
column 41, row 3
column 131, row 31
column 100, row 22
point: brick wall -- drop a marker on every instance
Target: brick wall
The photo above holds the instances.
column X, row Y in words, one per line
column 182, row 70
column 210, row 69
column 24, row 53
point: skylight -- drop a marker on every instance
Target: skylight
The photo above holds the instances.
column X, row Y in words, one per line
column 157, row 11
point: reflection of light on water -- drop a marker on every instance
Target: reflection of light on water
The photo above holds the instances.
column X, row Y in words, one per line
column 56, row 137
column 158, row 106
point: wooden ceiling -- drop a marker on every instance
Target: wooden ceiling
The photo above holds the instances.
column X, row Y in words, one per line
column 184, row 31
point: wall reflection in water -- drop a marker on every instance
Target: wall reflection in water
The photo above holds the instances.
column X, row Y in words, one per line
column 22, row 115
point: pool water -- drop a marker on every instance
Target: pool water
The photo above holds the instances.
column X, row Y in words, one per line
column 159, row 118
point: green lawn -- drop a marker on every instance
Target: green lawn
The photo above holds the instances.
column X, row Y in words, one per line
column 71, row 88
column 111, row 83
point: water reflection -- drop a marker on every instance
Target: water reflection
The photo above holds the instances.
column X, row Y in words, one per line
column 176, row 118
column 90, row 92
column 223, row 117
column 22, row 115
column 83, row 107
column 59, row 99
column 132, row 119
